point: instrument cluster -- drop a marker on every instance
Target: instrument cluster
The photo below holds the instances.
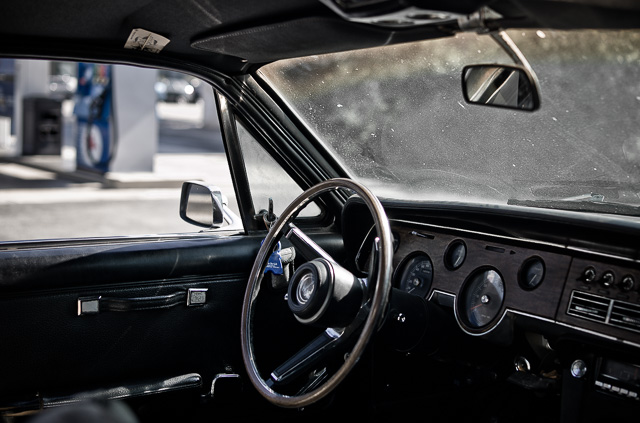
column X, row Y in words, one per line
column 482, row 276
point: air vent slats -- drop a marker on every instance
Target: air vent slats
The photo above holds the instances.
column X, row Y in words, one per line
column 604, row 310
column 589, row 306
column 625, row 315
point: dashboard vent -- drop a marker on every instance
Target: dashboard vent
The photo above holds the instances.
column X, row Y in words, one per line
column 589, row 306
column 604, row 310
column 625, row 315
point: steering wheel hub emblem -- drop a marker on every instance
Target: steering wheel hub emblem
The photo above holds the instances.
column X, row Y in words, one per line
column 306, row 288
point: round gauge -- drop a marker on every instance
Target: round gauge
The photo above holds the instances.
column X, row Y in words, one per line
column 531, row 273
column 455, row 254
column 417, row 275
column 482, row 297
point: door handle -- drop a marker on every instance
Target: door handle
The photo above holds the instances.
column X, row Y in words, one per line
column 98, row 304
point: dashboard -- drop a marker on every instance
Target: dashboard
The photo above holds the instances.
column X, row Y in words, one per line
column 486, row 277
column 498, row 276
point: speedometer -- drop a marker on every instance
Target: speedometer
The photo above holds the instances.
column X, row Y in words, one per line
column 417, row 275
column 481, row 299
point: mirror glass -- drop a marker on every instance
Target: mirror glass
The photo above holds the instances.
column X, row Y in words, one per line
column 201, row 206
column 500, row 86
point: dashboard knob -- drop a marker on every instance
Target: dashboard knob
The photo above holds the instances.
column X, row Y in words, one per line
column 522, row 364
column 627, row 283
column 578, row 369
column 589, row 275
column 608, row 279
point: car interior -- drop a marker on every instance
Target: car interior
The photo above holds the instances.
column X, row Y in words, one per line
column 371, row 307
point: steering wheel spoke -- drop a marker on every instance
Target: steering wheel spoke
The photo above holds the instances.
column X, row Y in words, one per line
column 305, row 245
column 310, row 357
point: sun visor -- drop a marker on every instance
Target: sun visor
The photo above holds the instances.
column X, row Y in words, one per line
column 295, row 38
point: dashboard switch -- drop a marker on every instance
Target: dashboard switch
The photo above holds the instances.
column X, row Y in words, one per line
column 608, row 279
column 589, row 275
column 627, row 283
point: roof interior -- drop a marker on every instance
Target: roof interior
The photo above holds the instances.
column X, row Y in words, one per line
column 233, row 36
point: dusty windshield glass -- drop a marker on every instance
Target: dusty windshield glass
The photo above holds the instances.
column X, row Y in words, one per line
column 396, row 119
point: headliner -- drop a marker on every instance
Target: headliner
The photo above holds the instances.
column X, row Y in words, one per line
column 234, row 36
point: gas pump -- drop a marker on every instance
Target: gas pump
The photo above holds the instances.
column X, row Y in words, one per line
column 7, row 102
column 93, row 109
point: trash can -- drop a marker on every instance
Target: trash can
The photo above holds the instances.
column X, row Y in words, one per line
column 41, row 126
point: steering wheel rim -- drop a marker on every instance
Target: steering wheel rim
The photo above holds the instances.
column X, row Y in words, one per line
column 377, row 305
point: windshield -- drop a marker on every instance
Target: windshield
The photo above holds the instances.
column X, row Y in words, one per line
column 396, row 119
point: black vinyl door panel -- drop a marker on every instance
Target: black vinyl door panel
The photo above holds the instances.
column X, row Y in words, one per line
column 55, row 351
column 55, row 344
column 143, row 332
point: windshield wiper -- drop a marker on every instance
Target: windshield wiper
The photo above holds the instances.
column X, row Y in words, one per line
column 593, row 203
column 594, row 198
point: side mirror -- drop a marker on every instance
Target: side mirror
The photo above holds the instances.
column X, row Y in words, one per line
column 511, row 87
column 201, row 205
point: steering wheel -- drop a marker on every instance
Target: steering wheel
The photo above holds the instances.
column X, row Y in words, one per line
column 321, row 293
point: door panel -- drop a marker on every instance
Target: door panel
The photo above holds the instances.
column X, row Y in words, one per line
column 51, row 352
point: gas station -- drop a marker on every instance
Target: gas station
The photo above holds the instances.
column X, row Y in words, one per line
column 81, row 142
column 94, row 121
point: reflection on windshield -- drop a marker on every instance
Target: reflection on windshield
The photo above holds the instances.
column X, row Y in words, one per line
column 397, row 120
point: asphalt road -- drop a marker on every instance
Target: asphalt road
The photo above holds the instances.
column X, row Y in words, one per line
column 37, row 204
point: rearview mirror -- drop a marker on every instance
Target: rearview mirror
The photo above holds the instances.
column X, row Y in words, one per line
column 511, row 87
column 201, row 205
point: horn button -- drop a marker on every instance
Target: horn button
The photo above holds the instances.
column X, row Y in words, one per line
column 306, row 288
column 322, row 293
